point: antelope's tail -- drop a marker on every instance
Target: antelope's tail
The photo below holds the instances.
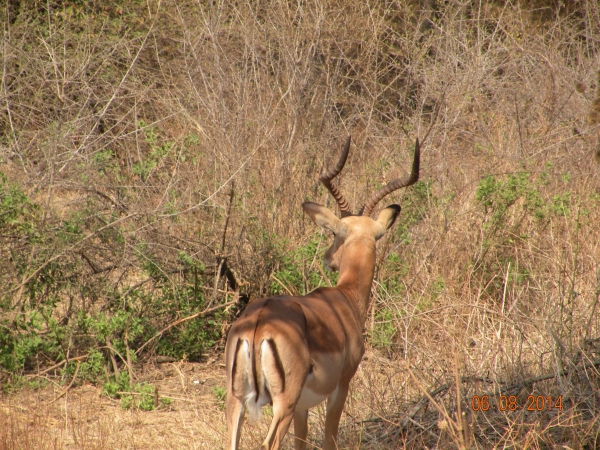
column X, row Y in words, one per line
column 257, row 374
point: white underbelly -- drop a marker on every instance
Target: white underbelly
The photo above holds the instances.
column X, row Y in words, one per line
column 309, row 398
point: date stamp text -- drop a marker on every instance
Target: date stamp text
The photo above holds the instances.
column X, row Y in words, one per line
column 510, row 403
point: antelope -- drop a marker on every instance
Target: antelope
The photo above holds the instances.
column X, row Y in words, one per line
column 294, row 352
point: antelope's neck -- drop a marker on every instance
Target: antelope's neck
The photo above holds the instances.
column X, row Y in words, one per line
column 356, row 275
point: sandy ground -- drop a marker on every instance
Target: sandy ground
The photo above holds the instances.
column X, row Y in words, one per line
column 379, row 400
column 83, row 418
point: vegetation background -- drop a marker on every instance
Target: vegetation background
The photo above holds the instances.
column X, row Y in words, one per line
column 153, row 159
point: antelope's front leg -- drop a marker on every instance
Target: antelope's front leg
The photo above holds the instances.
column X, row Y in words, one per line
column 300, row 429
column 335, row 406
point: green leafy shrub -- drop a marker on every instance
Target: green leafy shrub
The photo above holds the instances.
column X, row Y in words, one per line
column 220, row 394
column 137, row 395
column 296, row 272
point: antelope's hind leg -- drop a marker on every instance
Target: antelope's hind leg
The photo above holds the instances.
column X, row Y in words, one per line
column 282, row 417
column 238, row 388
column 285, row 364
column 235, row 419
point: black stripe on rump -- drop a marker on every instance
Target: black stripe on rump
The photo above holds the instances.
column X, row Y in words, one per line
column 278, row 363
column 234, row 365
column 254, row 374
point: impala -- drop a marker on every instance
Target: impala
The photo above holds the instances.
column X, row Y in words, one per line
column 295, row 352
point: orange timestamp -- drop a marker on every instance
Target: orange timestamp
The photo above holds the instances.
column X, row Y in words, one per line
column 510, row 403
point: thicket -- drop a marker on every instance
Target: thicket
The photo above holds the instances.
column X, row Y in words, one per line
column 154, row 156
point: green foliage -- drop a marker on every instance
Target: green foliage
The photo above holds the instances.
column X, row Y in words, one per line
column 510, row 203
column 137, row 395
column 396, row 271
column 191, row 339
column 34, row 326
column 123, row 329
column 414, row 209
column 105, row 326
column 144, row 401
column 37, row 383
column 93, row 367
column 384, row 329
column 71, row 230
column 18, row 348
column 435, row 290
column 115, row 385
column 498, row 195
column 560, row 204
column 149, row 262
column 190, row 262
column 120, row 329
column 90, row 369
column 28, row 336
column 158, row 152
column 295, row 269
column 104, row 160
column 220, row 394
column 17, row 213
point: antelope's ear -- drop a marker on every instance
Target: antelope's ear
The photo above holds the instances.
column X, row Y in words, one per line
column 322, row 216
column 386, row 219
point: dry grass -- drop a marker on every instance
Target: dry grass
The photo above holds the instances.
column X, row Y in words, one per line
column 139, row 120
column 85, row 419
column 378, row 405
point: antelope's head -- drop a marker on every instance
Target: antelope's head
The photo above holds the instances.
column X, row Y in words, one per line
column 360, row 227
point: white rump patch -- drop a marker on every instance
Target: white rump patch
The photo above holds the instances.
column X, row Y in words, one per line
column 244, row 361
column 250, row 399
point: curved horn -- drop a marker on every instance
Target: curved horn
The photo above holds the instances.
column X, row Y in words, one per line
column 327, row 177
column 394, row 185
